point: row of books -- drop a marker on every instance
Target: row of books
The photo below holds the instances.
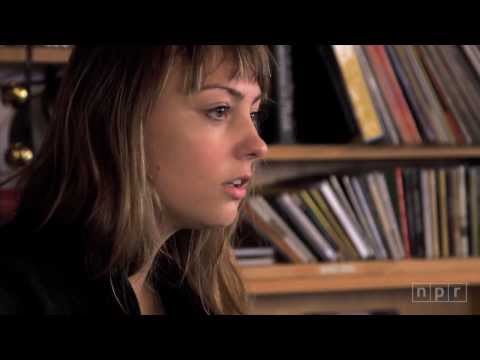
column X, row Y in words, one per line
column 255, row 255
column 394, row 213
column 413, row 94
column 389, row 94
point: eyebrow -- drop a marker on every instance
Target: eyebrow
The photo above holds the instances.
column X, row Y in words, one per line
column 235, row 93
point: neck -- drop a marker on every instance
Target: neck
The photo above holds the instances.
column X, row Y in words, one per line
column 139, row 280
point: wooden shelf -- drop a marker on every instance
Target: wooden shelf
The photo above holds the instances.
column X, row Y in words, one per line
column 356, row 276
column 369, row 152
column 12, row 54
column 40, row 55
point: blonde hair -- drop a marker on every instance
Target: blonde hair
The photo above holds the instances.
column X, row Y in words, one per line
column 91, row 169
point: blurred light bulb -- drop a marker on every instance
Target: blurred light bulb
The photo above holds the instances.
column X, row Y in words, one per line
column 14, row 95
column 18, row 155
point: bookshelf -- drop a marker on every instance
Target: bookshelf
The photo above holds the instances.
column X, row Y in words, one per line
column 337, row 153
column 353, row 287
column 358, row 276
column 408, row 97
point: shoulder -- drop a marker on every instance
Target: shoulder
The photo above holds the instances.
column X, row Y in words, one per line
column 178, row 296
column 37, row 273
column 17, row 271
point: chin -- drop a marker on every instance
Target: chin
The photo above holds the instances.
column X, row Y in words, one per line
column 220, row 217
column 221, row 220
column 221, row 223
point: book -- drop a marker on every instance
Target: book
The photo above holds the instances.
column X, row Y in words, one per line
column 366, row 115
column 420, row 94
column 392, row 92
column 443, row 212
column 346, row 204
column 427, row 214
column 445, row 85
column 402, row 209
column 267, row 222
column 418, row 249
column 362, row 248
column 346, row 244
column 319, row 219
column 475, row 208
column 387, row 197
column 462, row 202
column 385, row 116
column 384, row 221
column 317, row 242
column 432, row 184
column 466, row 82
column 473, row 54
column 361, row 215
column 284, row 87
column 253, row 252
column 261, row 261
column 473, row 213
column 367, row 208
column 458, row 211
column 310, row 211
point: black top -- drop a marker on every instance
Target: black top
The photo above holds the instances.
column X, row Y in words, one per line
column 44, row 273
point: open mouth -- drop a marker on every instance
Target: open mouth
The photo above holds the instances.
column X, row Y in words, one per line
column 238, row 183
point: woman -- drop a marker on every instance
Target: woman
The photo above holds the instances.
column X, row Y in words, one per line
column 139, row 185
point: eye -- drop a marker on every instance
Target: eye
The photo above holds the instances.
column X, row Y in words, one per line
column 257, row 117
column 218, row 113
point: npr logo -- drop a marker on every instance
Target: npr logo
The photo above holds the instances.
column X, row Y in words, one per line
column 439, row 293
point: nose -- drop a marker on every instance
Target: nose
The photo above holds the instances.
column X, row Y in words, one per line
column 251, row 146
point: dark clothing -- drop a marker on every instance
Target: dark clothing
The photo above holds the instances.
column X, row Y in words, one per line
column 44, row 273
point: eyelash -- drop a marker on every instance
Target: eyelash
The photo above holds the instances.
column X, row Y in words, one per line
column 212, row 112
column 256, row 115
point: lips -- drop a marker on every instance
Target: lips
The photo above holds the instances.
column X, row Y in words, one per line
column 240, row 181
column 237, row 193
column 237, row 187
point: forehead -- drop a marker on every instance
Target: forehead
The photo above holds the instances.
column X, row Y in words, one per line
column 188, row 78
column 224, row 74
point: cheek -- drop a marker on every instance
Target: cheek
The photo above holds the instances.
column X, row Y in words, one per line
column 189, row 181
column 193, row 161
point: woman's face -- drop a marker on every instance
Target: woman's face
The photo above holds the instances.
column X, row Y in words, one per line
column 197, row 143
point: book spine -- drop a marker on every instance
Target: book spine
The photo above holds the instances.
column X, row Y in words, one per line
column 289, row 237
column 320, row 245
column 393, row 94
column 271, row 232
column 333, row 221
column 346, row 251
column 403, row 212
column 464, row 248
column 473, row 210
column 443, row 209
column 443, row 83
column 434, row 210
column 364, row 251
column 411, row 81
column 377, row 97
column 285, row 93
column 392, row 218
column 381, row 210
column 381, row 251
column 361, row 217
column 427, row 215
column 365, row 112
